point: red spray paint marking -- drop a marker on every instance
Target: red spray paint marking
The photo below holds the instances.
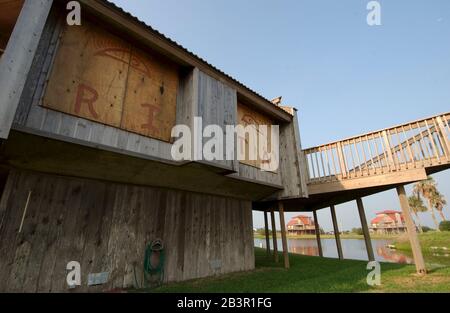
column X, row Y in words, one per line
column 125, row 56
column 153, row 110
column 82, row 98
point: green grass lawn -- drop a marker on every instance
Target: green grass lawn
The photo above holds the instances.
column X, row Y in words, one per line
column 427, row 241
column 314, row 274
column 435, row 247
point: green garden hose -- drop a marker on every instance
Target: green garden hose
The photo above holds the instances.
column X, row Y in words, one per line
column 154, row 264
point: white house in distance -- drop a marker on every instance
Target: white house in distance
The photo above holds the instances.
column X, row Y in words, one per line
column 388, row 222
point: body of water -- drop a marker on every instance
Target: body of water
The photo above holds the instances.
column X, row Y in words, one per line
column 354, row 249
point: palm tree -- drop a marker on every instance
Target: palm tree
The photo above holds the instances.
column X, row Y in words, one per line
column 416, row 205
column 438, row 201
column 427, row 188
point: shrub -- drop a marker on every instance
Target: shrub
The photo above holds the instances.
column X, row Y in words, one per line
column 444, row 226
column 426, row 229
column 357, row 231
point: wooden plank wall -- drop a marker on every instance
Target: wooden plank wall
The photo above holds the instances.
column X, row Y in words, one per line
column 105, row 227
column 197, row 93
column 254, row 174
column 301, row 164
column 113, row 82
column 249, row 117
column 32, row 117
column 217, row 105
column 16, row 61
column 292, row 168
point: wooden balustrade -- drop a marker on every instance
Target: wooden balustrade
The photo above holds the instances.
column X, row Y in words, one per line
column 418, row 144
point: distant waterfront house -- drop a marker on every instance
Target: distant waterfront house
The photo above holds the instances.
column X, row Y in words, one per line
column 387, row 222
column 301, row 225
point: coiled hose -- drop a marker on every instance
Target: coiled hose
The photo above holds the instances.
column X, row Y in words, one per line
column 153, row 265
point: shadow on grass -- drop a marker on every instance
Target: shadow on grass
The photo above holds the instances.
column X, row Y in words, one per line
column 307, row 274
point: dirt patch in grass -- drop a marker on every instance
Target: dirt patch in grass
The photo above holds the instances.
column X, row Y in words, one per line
column 420, row 283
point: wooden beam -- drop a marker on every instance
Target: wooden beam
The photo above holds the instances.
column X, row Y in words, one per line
column 388, row 149
column 412, row 233
column 397, row 148
column 274, row 236
column 394, row 178
column 443, row 135
column 341, row 158
column 316, row 223
column 302, row 167
column 283, row 235
column 16, row 62
column 266, row 228
column 336, row 232
column 365, row 228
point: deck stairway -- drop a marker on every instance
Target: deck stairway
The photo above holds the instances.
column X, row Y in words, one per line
column 362, row 165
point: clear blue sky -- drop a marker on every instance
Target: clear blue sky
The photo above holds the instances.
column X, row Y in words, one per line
column 343, row 76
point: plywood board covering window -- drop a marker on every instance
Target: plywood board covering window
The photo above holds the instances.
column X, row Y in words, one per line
column 249, row 117
column 100, row 77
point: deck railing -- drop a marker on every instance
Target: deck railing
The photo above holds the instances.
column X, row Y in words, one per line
column 417, row 144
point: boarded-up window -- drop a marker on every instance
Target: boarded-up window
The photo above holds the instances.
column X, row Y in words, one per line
column 98, row 76
column 253, row 119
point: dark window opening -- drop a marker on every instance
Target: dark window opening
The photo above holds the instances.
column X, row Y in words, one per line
column 9, row 12
column 3, row 179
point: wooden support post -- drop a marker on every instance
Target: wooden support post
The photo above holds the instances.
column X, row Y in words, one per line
column 283, row 235
column 336, row 232
column 412, row 233
column 365, row 229
column 274, row 237
column 341, row 158
column 16, row 61
column 266, row 224
column 316, row 223
column 388, row 149
column 443, row 135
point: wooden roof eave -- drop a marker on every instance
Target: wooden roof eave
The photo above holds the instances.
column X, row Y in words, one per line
column 124, row 22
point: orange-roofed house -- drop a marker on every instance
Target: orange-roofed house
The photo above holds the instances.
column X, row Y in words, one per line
column 387, row 222
column 301, row 225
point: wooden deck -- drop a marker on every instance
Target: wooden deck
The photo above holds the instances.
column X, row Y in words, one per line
column 400, row 154
column 363, row 165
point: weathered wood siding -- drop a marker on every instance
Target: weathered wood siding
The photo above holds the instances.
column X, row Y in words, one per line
column 217, row 105
column 252, row 119
column 291, row 176
column 198, row 95
column 16, row 62
column 292, row 166
column 105, row 227
column 110, row 81
column 33, row 117
column 252, row 173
